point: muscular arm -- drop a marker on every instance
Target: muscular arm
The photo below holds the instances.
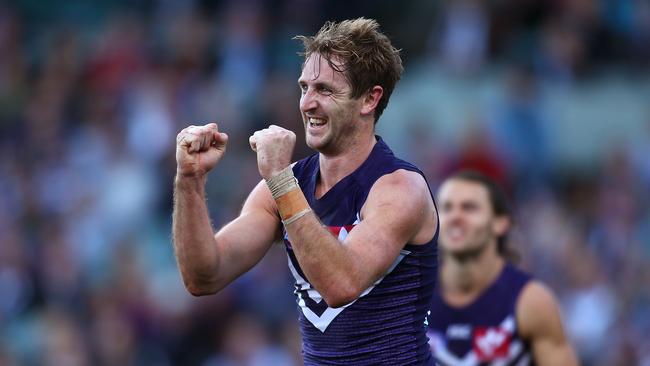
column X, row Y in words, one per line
column 539, row 321
column 207, row 261
column 399, row 209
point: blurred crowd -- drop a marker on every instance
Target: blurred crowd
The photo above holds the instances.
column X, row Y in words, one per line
column 92, row 94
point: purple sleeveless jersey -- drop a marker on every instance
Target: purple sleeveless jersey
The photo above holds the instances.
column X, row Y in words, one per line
column 484, row 332
column 386, row 324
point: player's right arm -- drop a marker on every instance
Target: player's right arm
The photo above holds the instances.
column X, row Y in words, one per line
column 209, row 261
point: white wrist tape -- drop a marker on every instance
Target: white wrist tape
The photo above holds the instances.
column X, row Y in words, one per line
column 282, row 183
column 296, row 216
column 288, row 196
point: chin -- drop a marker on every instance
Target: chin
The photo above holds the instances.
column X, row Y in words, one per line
column 313, row 144
column 464, row 251
column 317, row 143
column 458, row 246
column 457, row 250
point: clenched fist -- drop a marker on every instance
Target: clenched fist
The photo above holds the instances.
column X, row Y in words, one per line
column 274, row 146
column 199, row 149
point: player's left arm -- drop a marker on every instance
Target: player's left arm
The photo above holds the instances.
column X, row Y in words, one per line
column 399, row 210
column 540, row 322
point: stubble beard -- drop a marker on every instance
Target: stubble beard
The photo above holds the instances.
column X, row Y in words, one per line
column 472, row 253
column 466, row 255
column 339, row 137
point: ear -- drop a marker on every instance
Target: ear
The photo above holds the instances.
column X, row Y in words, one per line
column 371, row 99
column 500, row 225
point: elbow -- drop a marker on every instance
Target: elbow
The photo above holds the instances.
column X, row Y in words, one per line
column 201, row 281
column 201, row 288
column 341, row 294
column 198, row 291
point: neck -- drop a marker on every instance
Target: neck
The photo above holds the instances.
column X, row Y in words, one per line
column 463, row 279
column 334, row 167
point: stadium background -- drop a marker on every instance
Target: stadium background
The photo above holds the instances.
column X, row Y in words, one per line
column 550, row 97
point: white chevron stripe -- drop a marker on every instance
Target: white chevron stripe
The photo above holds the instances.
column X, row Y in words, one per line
column 323, row 321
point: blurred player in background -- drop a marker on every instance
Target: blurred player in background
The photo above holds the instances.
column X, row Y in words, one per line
column 487, row 311
column 359, row 225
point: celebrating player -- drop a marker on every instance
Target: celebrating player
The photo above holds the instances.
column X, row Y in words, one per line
column 359, row 224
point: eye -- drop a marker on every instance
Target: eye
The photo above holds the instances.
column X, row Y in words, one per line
column 470, row 207
column 325, row 90
column 446, row 207
column 303, row 88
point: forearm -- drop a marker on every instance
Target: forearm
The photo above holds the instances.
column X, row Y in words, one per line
column 193, row 236
column 331, row 267
column 324, row 260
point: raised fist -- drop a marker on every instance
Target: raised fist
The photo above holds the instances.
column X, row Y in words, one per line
column 274, row 146
column 199, row 149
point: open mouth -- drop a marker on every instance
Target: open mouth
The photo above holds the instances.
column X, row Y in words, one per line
column 316, row 122
column 455, row 233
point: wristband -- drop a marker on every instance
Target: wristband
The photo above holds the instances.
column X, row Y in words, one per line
column 288, row 196
column 282, row 183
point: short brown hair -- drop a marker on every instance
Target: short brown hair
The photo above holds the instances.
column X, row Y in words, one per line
column 367, row 55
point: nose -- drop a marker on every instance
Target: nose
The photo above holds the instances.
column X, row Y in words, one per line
column 308, row 101
column 450, row 214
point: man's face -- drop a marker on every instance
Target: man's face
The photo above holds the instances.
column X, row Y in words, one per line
column 467, row 221
column 328, row 112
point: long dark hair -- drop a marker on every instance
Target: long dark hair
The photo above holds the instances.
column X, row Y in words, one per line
column 500, row 206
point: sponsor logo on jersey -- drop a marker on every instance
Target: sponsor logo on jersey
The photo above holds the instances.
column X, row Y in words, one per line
column 491, row 343
column 459, row 331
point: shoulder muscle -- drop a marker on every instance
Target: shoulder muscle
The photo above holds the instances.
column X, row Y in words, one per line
column 403, row 198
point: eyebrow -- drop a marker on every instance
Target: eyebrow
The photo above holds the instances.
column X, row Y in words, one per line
column 318, row 84
column 464, row 203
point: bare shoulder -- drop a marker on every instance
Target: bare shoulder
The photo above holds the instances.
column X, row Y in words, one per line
column 400, row 188
column 402, row 183
column 403, row 197
column 404, row 177
column 537, row 309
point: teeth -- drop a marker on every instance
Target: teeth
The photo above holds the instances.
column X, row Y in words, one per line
column 316, row 121
column 455, row 232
